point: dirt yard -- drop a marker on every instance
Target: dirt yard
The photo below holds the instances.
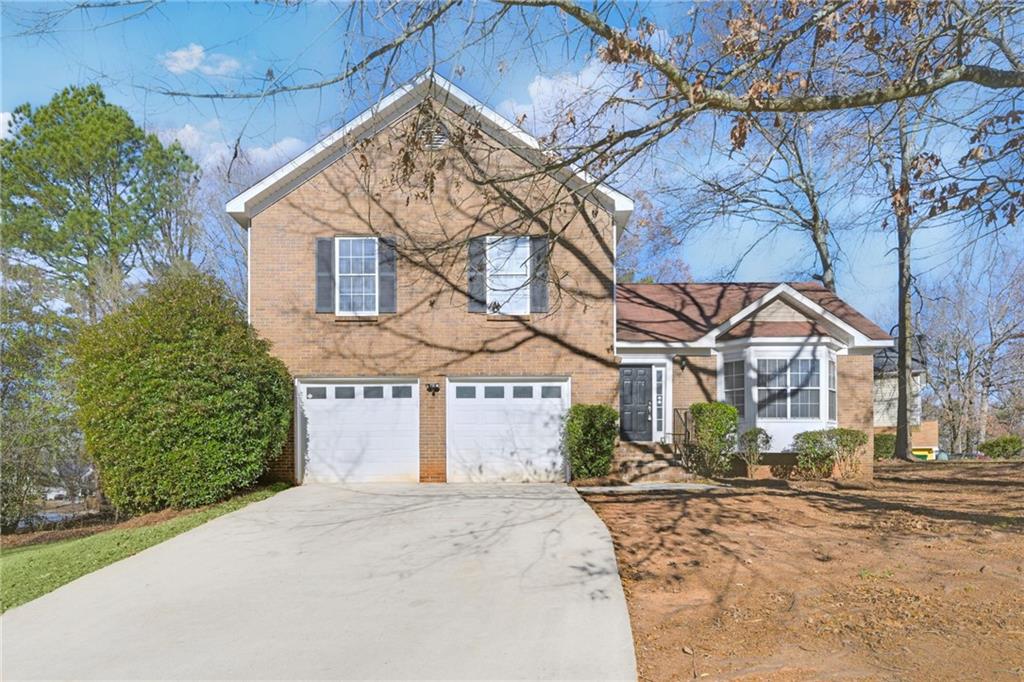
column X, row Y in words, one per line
column 918, row 577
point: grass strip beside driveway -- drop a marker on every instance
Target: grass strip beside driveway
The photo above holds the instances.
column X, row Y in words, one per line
column 30, row 572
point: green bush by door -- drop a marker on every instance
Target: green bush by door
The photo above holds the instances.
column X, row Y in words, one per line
column 590, row 435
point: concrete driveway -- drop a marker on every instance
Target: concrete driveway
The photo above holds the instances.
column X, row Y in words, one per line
column 386, row 581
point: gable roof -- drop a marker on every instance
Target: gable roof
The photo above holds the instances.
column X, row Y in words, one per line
column 392, row 107
column 703, row 313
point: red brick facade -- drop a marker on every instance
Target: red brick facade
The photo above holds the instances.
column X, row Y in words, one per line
column 433, row 336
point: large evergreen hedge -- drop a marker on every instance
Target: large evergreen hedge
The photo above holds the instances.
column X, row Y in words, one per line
column 181, row 403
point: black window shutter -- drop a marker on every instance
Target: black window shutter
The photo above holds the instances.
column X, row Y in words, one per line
column 325, row 275
column 539, row 270
column 387, row 280
column 477, row 269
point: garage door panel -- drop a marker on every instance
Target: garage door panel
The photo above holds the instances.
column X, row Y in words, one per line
column 508, row 438
column 361, row 432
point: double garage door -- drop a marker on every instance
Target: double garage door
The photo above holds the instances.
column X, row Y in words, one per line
column 496, row 430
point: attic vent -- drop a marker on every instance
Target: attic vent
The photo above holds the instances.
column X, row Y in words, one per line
column 432, row 134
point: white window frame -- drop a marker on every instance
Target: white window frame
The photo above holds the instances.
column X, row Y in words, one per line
column 338, row 275
column 528, row 266
column 833, row 389
column 742, row 390
column 789, row 390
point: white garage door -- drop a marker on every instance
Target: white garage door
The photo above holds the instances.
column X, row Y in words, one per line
column 506, row 430
column 361, row 431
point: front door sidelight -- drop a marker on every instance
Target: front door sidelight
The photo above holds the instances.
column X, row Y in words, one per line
column 635, row 403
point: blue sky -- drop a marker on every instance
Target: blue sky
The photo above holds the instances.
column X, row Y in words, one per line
column 204, row 47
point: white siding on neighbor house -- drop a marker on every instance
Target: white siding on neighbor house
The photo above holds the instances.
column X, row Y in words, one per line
column 886, row 400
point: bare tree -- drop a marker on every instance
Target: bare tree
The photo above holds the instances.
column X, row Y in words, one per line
column 743, row 64
column 800, row 173
column 973, row 323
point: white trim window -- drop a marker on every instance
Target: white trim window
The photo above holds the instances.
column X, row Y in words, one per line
column 734, row 373
column 788, row 389
column 832, row 383
column 355, row 286
column 508, row 275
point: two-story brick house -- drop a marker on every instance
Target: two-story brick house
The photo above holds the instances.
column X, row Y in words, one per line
column 442, row 291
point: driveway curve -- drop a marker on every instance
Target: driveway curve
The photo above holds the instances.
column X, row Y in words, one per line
column 360, row 582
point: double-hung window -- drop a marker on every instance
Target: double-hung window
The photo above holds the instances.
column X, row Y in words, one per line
column 832, row 390
column 356, row 285
column 772, row 385
column 788, row 389
column 508, row 275
column 734, row 372
column 805, row 390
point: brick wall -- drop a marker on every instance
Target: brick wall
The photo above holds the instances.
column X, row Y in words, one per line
column 433, row 335
column 856, row 408
column 694, row 381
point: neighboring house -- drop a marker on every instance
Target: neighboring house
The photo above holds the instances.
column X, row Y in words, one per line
column 438, row 323
column 924, row 435
column 790, row 357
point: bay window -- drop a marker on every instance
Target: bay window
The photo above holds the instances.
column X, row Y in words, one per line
column 788, row 389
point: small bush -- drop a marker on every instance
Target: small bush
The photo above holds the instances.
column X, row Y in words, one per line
column 885, row 445
column 752, row 443
column 180, row 402
column 848, row 443
column 1003, row 447
column 819, row 452
column 815, row 453
column 590, row 435
column 714, row 425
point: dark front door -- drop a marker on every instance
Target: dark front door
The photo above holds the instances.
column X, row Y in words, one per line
column 635, row 403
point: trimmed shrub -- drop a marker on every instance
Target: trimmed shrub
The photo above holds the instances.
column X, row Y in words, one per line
column 848, row 443
column 181, row 403
column 885, row 445
column 815, row 453
column 714, row 426
column 590, row 435
column 752, row 443
column 1003, row 447
column 819, row 452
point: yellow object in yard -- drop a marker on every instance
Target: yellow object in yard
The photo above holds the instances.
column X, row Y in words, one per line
column 924, row 454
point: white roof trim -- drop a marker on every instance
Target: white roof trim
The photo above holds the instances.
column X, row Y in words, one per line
column 271, row 188
column 856, row 337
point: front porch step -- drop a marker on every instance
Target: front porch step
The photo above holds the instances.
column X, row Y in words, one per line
column 652, row 469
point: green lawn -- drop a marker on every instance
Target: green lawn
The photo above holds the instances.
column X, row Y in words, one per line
column 32, row 571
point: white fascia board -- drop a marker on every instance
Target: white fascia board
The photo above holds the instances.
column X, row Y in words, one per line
column 251, row 201
column 779, row 340
column 659, row 345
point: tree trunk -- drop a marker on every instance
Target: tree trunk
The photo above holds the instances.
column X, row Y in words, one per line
column 904, row 230
column 904, row 349
column 819, row 234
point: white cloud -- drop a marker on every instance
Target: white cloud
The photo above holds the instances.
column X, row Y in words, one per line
column 207, row 146
column 550, row 98
column 5, row 124
column 194, row 57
